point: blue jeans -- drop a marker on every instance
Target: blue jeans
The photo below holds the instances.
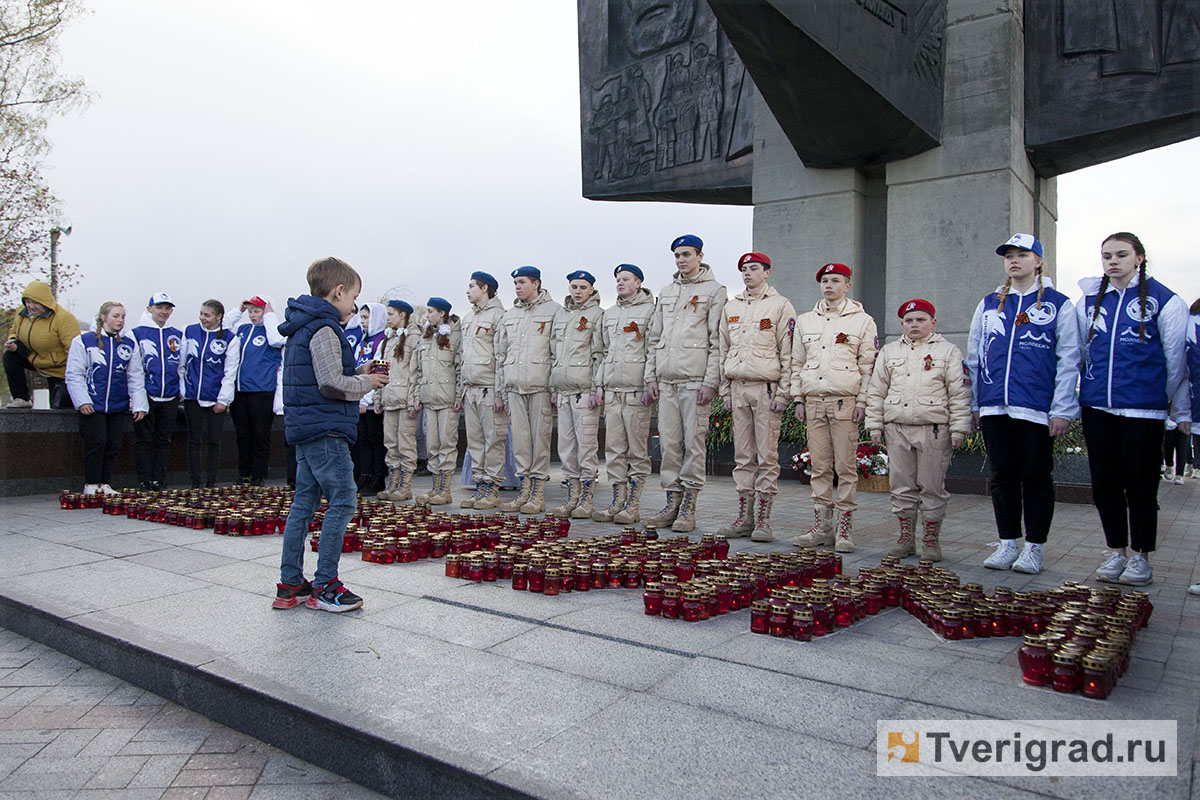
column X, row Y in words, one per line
column 323, row 466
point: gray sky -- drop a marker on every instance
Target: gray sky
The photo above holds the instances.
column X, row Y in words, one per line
column 231, row 142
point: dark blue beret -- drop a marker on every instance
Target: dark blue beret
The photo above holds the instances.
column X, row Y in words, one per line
column 688, row 240
column 636, row 270
column 485, row 279
column 582, row 275
column 400, row 305
column 527, row 272
column 439, row 303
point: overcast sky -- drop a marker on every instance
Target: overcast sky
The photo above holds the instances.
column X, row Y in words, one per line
column 231, row 142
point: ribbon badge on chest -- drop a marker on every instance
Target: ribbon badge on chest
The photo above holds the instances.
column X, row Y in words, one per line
column 928, row 362
column 582, row 324
column 542, row 327
column 694, row 303
column 634, row 329
column 842, row 338
column 764, row 324
column 1022, row 319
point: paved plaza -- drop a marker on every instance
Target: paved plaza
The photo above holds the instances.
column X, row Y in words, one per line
column 448, row 688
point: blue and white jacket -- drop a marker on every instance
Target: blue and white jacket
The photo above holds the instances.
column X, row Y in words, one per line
column 209, row 365
column 1024, row 361
column 261, row 351
column 369, row 343
column 161, row 351
column 1193, row 361
column 1149, row 378
column 106, row 372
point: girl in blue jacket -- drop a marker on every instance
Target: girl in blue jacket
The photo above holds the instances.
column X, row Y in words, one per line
column 207, row 372
column 1132, row 330
column 260, row 349
column 105, row 379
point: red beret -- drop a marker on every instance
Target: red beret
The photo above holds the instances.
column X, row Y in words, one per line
column 833, row 269
column 916, row 305
column 761, row 258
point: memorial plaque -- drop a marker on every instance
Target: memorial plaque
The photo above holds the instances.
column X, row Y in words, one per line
column 666, row 107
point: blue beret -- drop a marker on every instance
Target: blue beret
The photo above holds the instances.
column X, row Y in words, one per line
column 527, row 272
column 400, row 305
column 688, row 240
column 582, row 275
column 485, row 279
column 439, row 302
column 629, row 268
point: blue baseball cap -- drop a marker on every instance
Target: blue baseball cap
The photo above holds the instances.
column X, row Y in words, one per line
column 687, row 240
column 634, row 268
column 527, row 272
column 400, row 305
column 439, row 303
column 485, row 279
column 1025, row 241
column 582, row 275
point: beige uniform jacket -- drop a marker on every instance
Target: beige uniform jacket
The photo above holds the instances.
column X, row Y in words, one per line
column 400, row 391
column 756, row 341
column 684, row 331
column 626, row 333
column 919, row 384
column 438, row 367
column 480, row 327
column 578, row 346
column 524, row 346
column 833, row 351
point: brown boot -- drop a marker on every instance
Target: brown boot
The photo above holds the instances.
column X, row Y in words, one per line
column 906, row 545
column 470, row 501
column 821, row 533
column 762, row 518
column 537, row 497
column 572, row 501
column 434, row 492
column 843, row 543
column 404, row 492
column 444, row 495
column 685, row 522
column 620, row 493
column 669, row 512
column 631, row 512
column 522, row 497
column 587, row 502
column 393, row 483
column 490, row 497
column 931, row 548
column 745, row 519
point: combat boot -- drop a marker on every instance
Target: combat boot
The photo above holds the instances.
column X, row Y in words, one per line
column 631, row 512
column 685, row 522
column 821, row 533
column 762, row 518
column 745, row 519
column 392, row 484
column 490, row 497
column 444, row 495
column 537, row 497
column 433, row 493
column 572, row 501
column 844, row 544
column 906, row 545
column 403, row 491
column 620, row 492
column 669, row 512
column 587, row 502
column 522, row 496
column 931, row 548
column 470, row 501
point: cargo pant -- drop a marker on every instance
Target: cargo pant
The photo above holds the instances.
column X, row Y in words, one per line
column 578, row 436
column 755, row 437
column 400, row 439
column 441, row 438
column 682, row 431
column 626, row 436
column 918, row 457
column 532, row 420
column 832, row 445
column 487, row 431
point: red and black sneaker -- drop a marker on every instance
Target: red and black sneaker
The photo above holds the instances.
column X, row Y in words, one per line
column 288, row 595
column 333, row 597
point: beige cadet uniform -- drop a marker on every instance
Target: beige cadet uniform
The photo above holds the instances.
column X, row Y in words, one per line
column 623, row 378
column 523, row 353
column 683, row 355
column 756, row 362
column 397, row 398
column 578, row 348
column 833, row 351
column 487, row 429
column 438, row 369
column 917, row 398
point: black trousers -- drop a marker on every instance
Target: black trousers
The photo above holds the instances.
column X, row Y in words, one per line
column 204, row 433
column 253, row 413
column 103, row 434
column 1021, row 463
column 370, row 465
column 1177, row 450
column 152, row 441
column 15, row 365
column 1124, row 454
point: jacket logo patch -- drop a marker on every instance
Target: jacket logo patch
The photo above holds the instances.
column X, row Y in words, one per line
column 764, row 325
column 694, row 302
column 634, row 329
column 1133, row 309
column 842, row 339
column 258, row 341
column 124, row 351
column 928, row 362
column 735, row 319
column 173, row 344
column 217, row 347
column 582, row 324
column 791, row 326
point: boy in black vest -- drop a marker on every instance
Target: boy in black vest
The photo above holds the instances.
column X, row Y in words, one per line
column 320, row 397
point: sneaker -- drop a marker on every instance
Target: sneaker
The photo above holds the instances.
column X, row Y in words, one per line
column 287, row 595
column 106, row 489
column 19, row 403
column 1178, row 480
column 1137, row 571
column 1110, row 571
column 1030, row 560
column 1169, row 474
column 1006, row 553
column 334, row 597
column 91, row 488
column 1194, row 588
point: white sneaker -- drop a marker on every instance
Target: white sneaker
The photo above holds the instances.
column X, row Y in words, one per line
column 1169, row 474
column 1137, row 571
column 1179, row 480
column 1030, row 560
column 1110, row 571
column 106, row 489
column 1194, row 588
column 91, row 488
column 19, row 403
column 1006, row 553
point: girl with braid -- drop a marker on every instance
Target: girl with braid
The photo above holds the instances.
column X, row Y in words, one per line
column 1023, row 359
column 1132, row 331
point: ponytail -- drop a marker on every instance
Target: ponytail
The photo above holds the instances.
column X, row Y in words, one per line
column 1096, row 308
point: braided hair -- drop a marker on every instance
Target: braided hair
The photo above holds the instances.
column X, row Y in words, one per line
column 398, row 350
column 443, row 339
column 104, row 309
column 1003, row 296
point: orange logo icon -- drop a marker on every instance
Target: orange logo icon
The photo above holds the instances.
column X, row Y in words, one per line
column 907, row 751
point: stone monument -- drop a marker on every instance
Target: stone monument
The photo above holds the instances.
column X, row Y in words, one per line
column 904, row 137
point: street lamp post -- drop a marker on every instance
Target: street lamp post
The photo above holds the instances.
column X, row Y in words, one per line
column 55, row 232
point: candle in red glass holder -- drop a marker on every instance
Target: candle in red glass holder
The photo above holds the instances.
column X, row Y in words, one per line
column 685, row 570
column 491, row 567
column 1035, row 661
column 1096, row 678
column 583, row 575
column 874, row 597
column 520, row 577
column 1066, row 675
column 633, row 575
column 453, row 567
column 802, row 625
column 721, row 547
column 843, row 608
column 724, row 596
column 779, row 621
column 652, row 599
column 553, row 583
column 475, row 569
column 537, row 573
column 691, row 608
column 670, row 602
column 221, row 524
column 760, row 611
column 822, row 616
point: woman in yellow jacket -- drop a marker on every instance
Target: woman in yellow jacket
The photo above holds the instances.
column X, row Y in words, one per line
column 39, row 339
